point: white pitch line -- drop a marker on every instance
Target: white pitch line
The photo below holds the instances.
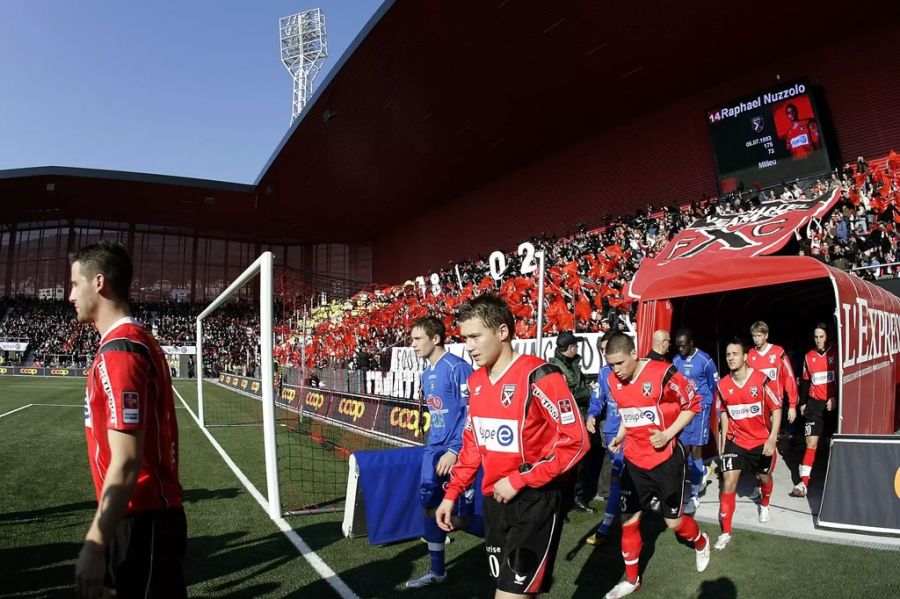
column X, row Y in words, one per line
column 318, row 564
column 16, row 410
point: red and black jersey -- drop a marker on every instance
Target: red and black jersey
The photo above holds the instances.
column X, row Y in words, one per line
column 129, row 388
column 524, row 426
column 749, row 407
column 802, row 138
column 820, row 369
column 773, row 362
column 651, row 402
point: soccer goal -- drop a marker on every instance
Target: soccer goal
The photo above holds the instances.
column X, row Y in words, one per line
column 257, row 406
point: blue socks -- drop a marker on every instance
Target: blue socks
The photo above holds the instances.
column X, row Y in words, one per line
column 435, row 538
column 697, row 470
column 612, row 506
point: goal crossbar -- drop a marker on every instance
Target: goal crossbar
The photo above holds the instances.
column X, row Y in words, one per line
column 263, row 267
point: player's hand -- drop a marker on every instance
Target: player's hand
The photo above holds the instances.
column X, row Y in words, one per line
column 803, row 410
column 445, row 463
column 792, row 415
column 658, row 439
column 769, row 447
column 90, row 572
column 443, row 515
column 615, row 445
column 829, row 405
column 503, row 490
column 591, row 424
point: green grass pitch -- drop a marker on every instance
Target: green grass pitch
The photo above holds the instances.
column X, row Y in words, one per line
column 234, row 550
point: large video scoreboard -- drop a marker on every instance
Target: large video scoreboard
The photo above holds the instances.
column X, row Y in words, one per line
column 769, row 137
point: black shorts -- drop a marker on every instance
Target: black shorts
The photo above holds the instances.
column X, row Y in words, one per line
column 736, row 457
column 816, row 417
column 146, row 557
column 667, row 482
column 521, row 539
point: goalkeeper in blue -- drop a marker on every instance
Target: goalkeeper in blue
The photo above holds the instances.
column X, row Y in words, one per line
column 603, row 409
column 445, row 390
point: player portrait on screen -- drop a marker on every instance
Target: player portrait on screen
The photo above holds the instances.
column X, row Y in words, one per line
column 797, row 126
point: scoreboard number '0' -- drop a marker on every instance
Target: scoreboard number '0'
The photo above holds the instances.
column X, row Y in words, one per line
column 497, row 261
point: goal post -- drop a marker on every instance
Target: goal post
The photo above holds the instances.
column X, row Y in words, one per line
column 264, row 268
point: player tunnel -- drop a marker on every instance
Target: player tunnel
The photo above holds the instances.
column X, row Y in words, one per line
column 721, row 298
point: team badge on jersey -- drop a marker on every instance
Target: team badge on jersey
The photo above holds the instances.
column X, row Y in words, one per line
column 771, row 359
column 435, row 403
column 506, row 395
column 647, row 389
column 754, row 391
column 131, row 407
column 566, row 412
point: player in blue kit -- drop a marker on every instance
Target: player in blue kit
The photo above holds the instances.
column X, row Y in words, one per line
column 446, row 394
column 698, row 368
column 603, row 407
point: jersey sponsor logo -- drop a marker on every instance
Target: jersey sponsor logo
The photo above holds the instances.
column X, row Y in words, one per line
column 434, row 403
column 822, row 378
column 506, row 394
column 566, row 411
column 545, row 401
column 131, row 407
column 497, row 434
column 352, row 407
column 742, row 411
column 107, row 388
column 800, row 140
column 641, row 416
column 772, row 373
column 647, row 389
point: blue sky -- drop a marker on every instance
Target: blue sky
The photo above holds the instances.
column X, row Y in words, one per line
column 192, row 88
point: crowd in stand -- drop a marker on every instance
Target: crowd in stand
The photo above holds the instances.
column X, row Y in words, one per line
column 585, row 276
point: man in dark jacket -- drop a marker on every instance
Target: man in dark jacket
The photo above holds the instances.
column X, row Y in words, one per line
column 566, row 358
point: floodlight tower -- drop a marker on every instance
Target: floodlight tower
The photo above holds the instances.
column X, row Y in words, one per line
column 303, row 52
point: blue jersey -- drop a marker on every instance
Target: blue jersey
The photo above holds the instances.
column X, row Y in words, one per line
column 446, row 393
column 701, row 371
column 601, row 399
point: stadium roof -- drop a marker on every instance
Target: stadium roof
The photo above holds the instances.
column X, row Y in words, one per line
column 434, row 99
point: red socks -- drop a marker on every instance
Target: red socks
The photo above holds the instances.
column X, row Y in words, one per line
column 631, row 549
column 690, row 532
column 766, row 490
column 809, row 457
column 726, row 510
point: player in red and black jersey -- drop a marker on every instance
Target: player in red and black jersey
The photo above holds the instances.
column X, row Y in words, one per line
column 818, row 399
column 655, row 403
column 749, row 417
column 803, row 137
column 136, row 542
column 525, row 430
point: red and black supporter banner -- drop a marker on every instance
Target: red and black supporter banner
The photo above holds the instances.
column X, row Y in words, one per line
column 863, row 466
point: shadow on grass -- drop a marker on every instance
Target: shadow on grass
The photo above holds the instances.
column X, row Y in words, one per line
column 48, row 513
column 720, row 588
column 38, row 571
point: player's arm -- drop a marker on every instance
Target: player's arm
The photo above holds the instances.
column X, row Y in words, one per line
column 803, row 392
column 596, row 405
column 126, row 454
column 616, row 443
column 774, row 403
column 712, row 378
column 723, row 421
column 788, row 380
column 459, row 377
column 679, row 390
column 572, row 438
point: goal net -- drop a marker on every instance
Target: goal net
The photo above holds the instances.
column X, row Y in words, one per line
column 259, row 398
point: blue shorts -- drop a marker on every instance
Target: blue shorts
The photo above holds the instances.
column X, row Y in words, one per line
column 431, row 491
column 616, row 460
column 696, row 433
